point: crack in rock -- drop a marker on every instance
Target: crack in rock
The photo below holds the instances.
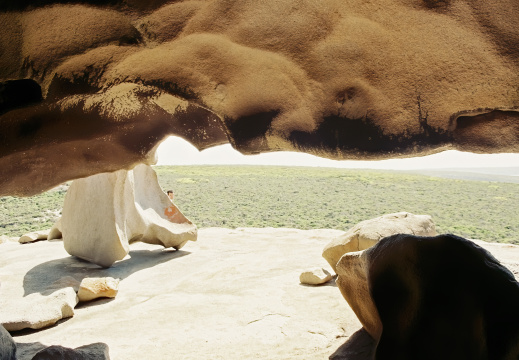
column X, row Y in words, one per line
column 264, row 316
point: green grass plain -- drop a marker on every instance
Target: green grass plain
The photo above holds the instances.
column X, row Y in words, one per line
column 308, row 198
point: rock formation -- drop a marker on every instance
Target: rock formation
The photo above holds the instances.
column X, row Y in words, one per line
column 7, row 345
column 368, row 232
column 233, row 295
column 55, row 231
column 96, row 351
column 36, row 311
column 102, row 214
column 343, row 79
column 352, row 280
column 315, row 276
column 433, row 297
column 93, row 288
column 34, row 236
column 93, row 87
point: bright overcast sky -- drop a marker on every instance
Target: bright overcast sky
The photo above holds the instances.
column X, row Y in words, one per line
column 176, row 151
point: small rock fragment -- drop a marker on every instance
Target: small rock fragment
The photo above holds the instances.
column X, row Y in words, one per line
column 36, row 311
column 34, row 236
column 93, row 288
column 315, row 276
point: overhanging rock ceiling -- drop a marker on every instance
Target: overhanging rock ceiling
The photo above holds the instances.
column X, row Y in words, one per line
column 94, row 86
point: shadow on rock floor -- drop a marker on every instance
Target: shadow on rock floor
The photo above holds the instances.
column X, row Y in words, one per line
column 43, row 276
column 359, row 346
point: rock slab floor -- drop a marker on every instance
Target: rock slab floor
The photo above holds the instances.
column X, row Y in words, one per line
column 233, row 294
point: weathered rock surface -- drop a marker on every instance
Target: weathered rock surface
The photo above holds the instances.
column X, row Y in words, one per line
column 55, row 231
column 34, row 236
column 7, row 345
column 97, row 351
column 340, row 79
column 220, row 293
column 36, row 311
column 367, row 233
column 93, row 288
column 217, row 298
column 433, row 297
column 315, row 276
column 352, row 280
column 104, row 213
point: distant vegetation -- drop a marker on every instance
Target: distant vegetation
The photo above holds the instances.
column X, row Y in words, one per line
column 308, row 198
column 20, row 215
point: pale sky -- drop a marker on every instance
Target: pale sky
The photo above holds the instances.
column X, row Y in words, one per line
column 176, row 151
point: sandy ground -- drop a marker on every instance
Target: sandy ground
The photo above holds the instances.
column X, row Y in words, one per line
column 233, row 294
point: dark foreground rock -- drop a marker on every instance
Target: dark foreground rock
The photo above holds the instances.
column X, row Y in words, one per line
column 435, row 297
column 96, row 351
column 7, row 345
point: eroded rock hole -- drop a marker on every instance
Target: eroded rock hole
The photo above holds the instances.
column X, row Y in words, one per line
column 18, row 93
